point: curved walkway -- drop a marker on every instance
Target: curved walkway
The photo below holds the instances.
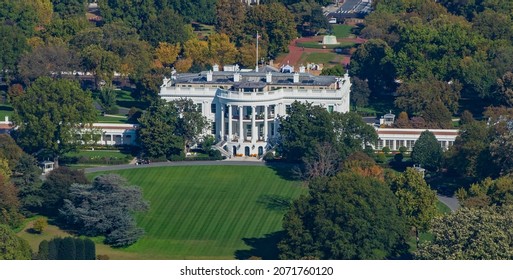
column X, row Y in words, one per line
column 173, row 163
column 451, row 202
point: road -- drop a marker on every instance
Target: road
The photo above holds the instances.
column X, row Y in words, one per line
column 451, row 202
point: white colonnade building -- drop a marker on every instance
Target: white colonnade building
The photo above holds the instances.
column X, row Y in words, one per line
column 244, row 107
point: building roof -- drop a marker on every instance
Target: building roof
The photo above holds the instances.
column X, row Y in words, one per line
column 255, row 78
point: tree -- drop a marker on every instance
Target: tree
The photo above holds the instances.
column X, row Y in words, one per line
column 102, row 63
column 47, row 61
column 415, row 96
column 488, row 192
column 13, row 247
column 43, row 252
column 303, row 127
column 191, row 123
column 470, row 234
column 500, row 149
column 13, row 45
column 66, row 249
column 505, row 88
column 427, row 151
column 337, row 70
column 221, row 49
column 9, row 204
column 168, row 26
column 403, row 121
column 351, row 133
column 167, row 53
column 156, row 132
column 40, row 225
column 360, row 92
column 344, row 217
column 274, row 23
column 10, row 151
column 90, row 249
column 57, row 186
column 197, row 50
column 26, row 178
column 230, row 18
column 437, row 115
column 416, row 201
column 69, row 8
column 49, row 115
column 107, row 100
column 105, row 208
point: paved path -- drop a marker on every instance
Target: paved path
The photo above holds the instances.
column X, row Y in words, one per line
column 174, row 163
column 451, row 202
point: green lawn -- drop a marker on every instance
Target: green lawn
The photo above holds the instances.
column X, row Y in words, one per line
column 341, row 30
column 324, row 58
column 109, row 119
column 5, row 110
column 207, row 212
column 318, row 45
column 100, row 153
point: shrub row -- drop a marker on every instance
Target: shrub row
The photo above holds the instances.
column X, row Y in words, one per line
column 88, row 160
column 68, row 248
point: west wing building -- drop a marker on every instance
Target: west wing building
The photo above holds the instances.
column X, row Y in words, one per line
column 244, row 107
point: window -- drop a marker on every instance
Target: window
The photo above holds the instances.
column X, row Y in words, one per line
column 379, row 144
column 399, row 144
column 389, row 144
column 213, row 131
column 248, row 130
column 213, row 108
column 410, row 144
column 330, row 108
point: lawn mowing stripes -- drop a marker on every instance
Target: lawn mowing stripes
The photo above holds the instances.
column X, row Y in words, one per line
column 204, row 212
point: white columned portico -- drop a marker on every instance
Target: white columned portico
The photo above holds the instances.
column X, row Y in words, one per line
column 221, row 128
column 241, row 134
column 229, row 122
column 254, row 135
column 265, row 122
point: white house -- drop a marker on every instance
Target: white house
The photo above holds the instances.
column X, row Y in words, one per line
column 244, row 107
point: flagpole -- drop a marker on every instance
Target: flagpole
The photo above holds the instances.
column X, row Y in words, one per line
column 256, row 69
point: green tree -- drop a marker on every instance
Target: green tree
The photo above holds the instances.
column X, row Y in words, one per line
column 303, row 127
column 40, row 225
column 56, row 187
column 505, row 88
column 9, row 204
column 49, row 115
column 351, row 133
column 470, row 234
column 13, row 45
column 69, row 8
column 47, row 61
column 105, row 207
column 107, row 100
column 26, row 178
column 66, row 249
column 427, row 151
column 102, row 63
column 416, row 201
column 360, row 92
column 43, row 252
column 90, row 249
column 230, row 18
column 168, row 26
column 13, row 247
column 344, row 217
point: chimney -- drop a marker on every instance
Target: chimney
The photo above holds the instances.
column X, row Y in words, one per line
column 302, row 69
column 209, row 76
column 269, row 77
column 296, row 78
column 236, row 76
column 215, row 68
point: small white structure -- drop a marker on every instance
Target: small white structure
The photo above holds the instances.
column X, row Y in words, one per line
column 47, row 166
column 387, row 119
column 329, row 40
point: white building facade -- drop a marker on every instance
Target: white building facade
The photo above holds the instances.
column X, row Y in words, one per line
column 243, row 107
column 395, row 138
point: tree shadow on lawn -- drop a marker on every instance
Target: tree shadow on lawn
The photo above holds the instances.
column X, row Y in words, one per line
column 274, row 202
column 286, row 170
column 265, row 248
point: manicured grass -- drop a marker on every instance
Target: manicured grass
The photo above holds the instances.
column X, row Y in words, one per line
column 5, row 110
column 324, row 58
column 318, row 45
column 99, row 154
column 109, row 119
column 341, row 30
column 205, row 212
column 442, row 208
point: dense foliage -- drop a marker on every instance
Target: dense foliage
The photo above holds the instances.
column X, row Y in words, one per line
column 348, row 216
column 105, row 207
column 13, row 247
column 68, row 248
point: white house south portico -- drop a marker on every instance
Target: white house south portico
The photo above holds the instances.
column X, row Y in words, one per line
column 244, row 106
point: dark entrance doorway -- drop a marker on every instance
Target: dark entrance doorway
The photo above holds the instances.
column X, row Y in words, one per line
column 234, row 150
column 246, row 151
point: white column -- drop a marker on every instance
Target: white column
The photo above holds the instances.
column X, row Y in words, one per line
column 221, row 127
column 241, row 134
column 265, row 122
column 254, row 135
column 229, row 122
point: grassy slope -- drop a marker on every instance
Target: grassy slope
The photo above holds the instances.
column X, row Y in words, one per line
column 341, row 30
column 324, row 58
column 204, row 212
